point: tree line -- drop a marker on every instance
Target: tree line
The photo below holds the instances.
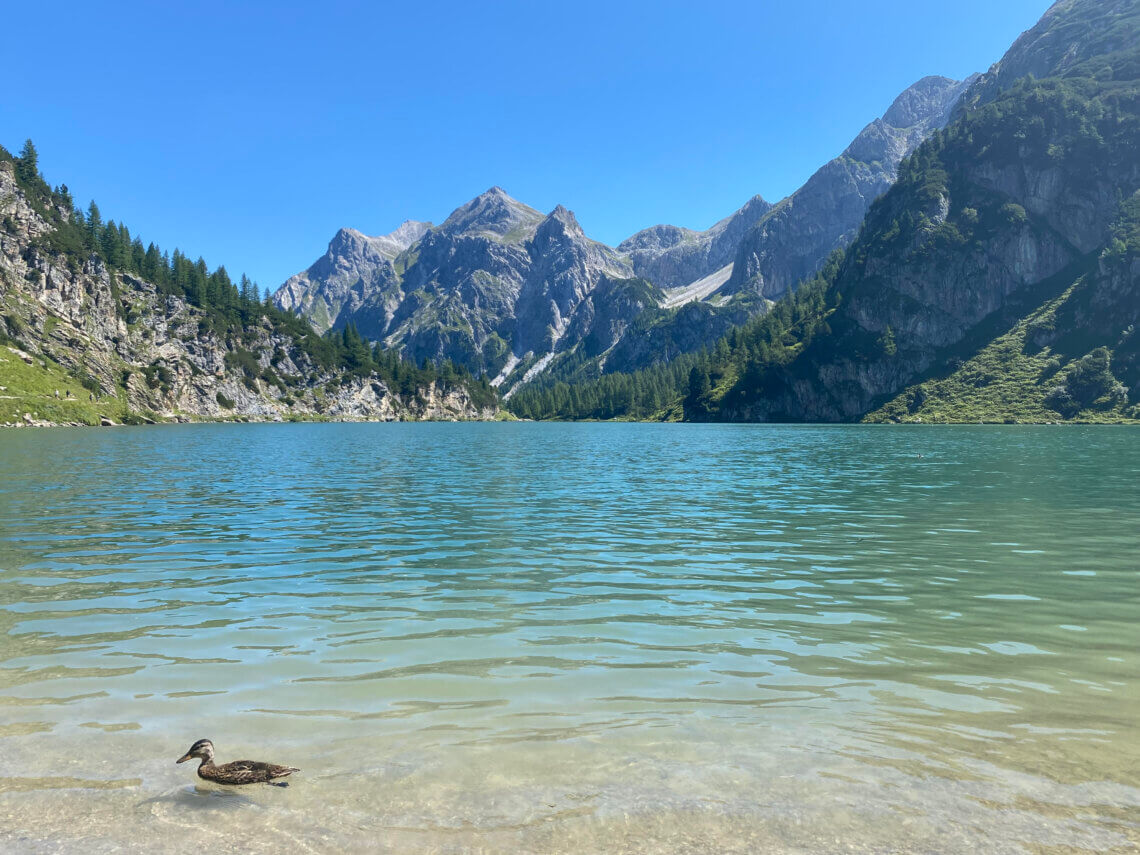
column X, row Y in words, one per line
column 693, row 386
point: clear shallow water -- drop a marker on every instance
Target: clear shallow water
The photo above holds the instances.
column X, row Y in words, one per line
column 530, row 637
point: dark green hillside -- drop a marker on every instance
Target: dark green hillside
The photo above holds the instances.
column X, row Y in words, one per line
column 1077, row 356
column 691, row 385
column 989, row 216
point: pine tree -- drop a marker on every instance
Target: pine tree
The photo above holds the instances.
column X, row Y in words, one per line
column 94, row 226
column 28, row 164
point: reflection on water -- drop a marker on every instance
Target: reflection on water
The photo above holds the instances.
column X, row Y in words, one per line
column 540, row 638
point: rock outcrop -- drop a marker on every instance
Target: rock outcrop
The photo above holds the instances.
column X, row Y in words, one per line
column 354, row 268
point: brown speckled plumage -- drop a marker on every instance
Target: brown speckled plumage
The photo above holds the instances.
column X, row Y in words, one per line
column 237, row 772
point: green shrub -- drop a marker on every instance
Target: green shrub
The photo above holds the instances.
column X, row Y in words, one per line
column 158, row 376
column 245, row 360
column 1089, row 382
column 14, row 324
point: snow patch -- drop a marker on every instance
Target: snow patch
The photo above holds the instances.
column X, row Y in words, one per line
column 697, row 290
column 512, row 361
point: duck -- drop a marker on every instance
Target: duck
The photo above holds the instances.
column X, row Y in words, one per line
column 236, row 773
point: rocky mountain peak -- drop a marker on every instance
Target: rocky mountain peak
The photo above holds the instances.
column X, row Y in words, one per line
column 922, row 102
column 493, row 214
column 559, row 224
column 754, row 208
column 347, row 241
column 407, row 233
column 659, row 237
column 1081, row 37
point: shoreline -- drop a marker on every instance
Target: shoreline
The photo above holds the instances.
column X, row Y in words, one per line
column 504, row 416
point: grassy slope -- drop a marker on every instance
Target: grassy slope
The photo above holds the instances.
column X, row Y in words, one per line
column 31, row 389
column 1008, row 380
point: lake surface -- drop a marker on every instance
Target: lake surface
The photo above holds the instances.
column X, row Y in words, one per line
column 585, row 638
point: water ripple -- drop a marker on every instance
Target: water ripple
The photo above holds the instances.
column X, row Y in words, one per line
column 531, row 611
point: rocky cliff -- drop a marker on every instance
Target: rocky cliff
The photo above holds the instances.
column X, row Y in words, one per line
column 82, row 342
column 354, row 268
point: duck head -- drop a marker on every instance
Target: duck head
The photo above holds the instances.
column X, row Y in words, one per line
column 202, row 749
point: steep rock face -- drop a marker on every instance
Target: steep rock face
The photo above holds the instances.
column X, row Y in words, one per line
column 791, row 242
column 354, row 268
column 672, row 257
column 565, row 267
column 606, row 313
column 142, row 354
column 1076, row 355
column 461, row 288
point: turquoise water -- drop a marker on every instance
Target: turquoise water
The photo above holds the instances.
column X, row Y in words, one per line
column 540, row 637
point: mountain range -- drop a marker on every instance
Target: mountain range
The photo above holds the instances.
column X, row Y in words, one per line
column 995, row 280
column 513, row 294
column 972, row 255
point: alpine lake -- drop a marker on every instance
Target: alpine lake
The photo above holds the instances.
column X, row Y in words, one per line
column 547, row 638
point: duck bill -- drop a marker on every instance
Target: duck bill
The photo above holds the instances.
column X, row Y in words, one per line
column 183, row 758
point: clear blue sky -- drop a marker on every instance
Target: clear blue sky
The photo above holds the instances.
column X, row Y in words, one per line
column 248, row 133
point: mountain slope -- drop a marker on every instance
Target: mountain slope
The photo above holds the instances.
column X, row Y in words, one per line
column 1074, row 38
column 354, row 267
column 990, row 220
column 95, row 328
column 791, row 242
column 675, row 257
